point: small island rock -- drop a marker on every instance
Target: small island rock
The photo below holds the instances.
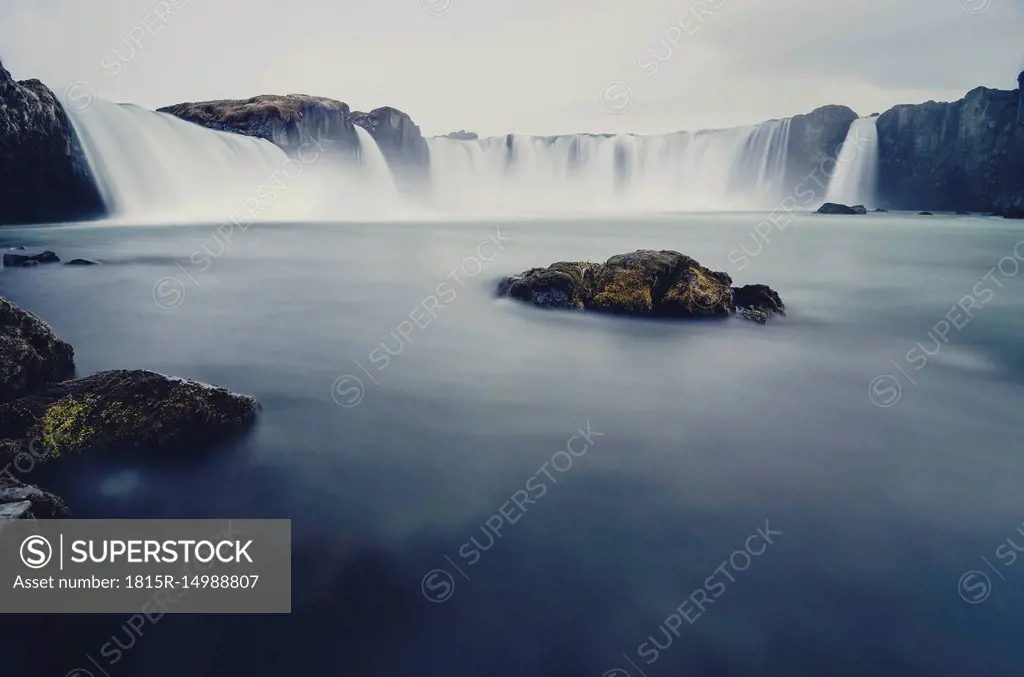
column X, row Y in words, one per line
column 646, row 283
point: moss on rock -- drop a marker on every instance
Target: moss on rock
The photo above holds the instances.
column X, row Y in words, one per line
column 645, row 282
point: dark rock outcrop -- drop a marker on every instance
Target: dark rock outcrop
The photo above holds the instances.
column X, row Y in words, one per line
column 291, row 122
column 31, row 355
column 124, row 410
column 401, row 142
column 81, row 262
column 43, row 417
column 21, row 260
column 25, row 501
column 836, row 208
column 967, row 155
column 461, row 135
column 645, row 283
column 815, row 140
column 44, row 176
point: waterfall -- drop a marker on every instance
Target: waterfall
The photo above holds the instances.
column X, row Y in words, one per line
column 375, row 167
column 741, row 168
column 156, row 167
column 856, row 175
column 151, row 164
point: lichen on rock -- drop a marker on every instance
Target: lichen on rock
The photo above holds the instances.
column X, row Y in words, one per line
column 646, row 283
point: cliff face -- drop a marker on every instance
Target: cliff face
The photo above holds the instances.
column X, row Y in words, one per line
column 814, row 139
column 401, row 142
column 44, row 175
column 965, row 155
column 290, row 122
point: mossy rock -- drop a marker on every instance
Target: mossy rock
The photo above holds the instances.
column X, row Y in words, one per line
column 126, row 410
column 644, row 283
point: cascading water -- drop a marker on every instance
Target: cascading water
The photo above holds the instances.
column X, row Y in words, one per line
column 855, row 179
column 740, row 168
column 154, row 165
column 375, row 167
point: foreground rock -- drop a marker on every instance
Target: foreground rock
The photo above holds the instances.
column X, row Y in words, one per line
column 31, row 355
column 44, row 176
column 24, row 501
column 124, row 410
column 645, row 283
column 836, row 208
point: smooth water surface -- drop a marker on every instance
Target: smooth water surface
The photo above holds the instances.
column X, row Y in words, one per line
column 707, row 431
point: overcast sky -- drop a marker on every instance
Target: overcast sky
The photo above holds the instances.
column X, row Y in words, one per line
column 530, row 66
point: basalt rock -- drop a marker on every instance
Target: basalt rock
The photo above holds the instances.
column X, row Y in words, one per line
column 400, row 141
column 31, row 355
column 643, row 283
column 815, row 140
column 967, row 155
column 297, row 123
column 126, row 410
column 836, row 208
column 23, row 261
column 44, row 175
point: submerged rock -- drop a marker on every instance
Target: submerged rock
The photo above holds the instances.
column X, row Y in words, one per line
column 646, row 283
column 836, row 208
column 925, row 214
column 81, row 262
column 31, row 355
column 23, row 261
column 121, row 410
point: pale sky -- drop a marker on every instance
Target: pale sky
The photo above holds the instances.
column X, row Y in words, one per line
column 526, row 66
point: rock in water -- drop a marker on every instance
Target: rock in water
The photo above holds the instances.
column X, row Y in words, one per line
column 31, row 355
column 81, row 262
column 646, row 283
column 44, row 175
column 836, row 208
column 124, row 410
column 20, row 260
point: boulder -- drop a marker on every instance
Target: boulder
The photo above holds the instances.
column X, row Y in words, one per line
column 81, row 262
column 126, row 410
column 44, row 175
column 23, row 261
column 925, row 214
column 836, row 208
column 643, row 283
column 31, row 355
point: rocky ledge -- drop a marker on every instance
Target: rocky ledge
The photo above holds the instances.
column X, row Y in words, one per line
column 44, row 417
column 44, row 175
column 291, row 122
column 645, row 283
